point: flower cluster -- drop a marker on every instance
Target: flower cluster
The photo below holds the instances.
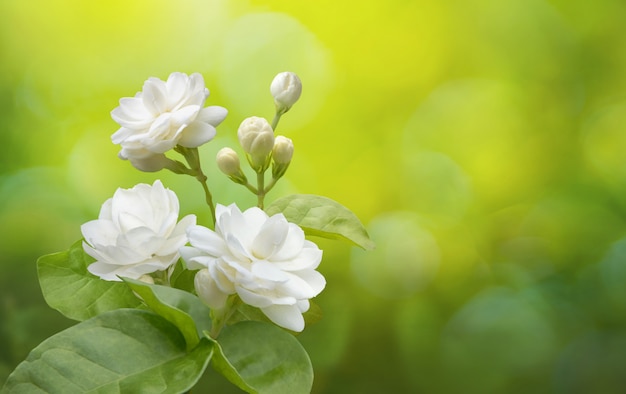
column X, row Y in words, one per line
column 263, row 260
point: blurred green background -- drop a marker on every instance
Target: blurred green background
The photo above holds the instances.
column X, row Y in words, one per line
column 481, row 142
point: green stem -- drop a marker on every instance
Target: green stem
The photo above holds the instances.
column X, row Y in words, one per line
column 251, row 188
column 193, row 159
column 276, row 119
column 270, row 185
column 208, row 197
column 220, row 317
column 260, row 180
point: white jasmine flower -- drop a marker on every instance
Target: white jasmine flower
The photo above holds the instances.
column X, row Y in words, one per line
column 136, row 233
column 286, row 89
column 265, row 260
column 164, row 114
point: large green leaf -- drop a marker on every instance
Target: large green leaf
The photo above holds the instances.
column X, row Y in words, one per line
column 122, row 351
column 261, row 358
column 69, row 288
column 322, row 217
column 179, row 307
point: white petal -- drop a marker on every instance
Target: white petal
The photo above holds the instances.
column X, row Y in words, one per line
column 237, row 249
column 306, row 284
column 234, row 270
column 147, row 267
column 308, row 258
column 99, row 232
column 206, row 240
column 122, row 134
column 171, row 245
column 200, row 262
column 184, row 116
column 183, row 225
column 293, row 244
column 128, row 221
column 176, row 88
column 160, row 129
column 252, row 298
column 132, row 114
column 220, row 274
column 268, row 271
column 105, row 210
column 189, row 254
column 104, row 271
column 152, row 163
column 314, row 279
column 255, row 218
column 303, row 305
column 142, row 240
column 271, row 237
column 93, row 252
column 154, row 96
column 196, row 83
column 213, row 115
column 119, row 254
column 242, row 226
column 132, row 108
column 196, row 134
column 287, row 316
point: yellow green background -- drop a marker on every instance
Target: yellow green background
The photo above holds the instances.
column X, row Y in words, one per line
column 482, row 143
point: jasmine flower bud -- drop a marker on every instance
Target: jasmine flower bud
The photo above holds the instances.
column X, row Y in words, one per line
column 228, row 163
column 286, row 89
column 281, row 155
column 257, row 140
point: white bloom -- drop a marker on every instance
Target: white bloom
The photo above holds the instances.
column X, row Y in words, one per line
column 286, row 89
column 136, row 233
column 265, row 260
column 163, row 115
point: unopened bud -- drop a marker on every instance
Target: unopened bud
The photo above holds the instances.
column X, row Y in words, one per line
column 283, row 150
column 281, row 155
column 286, row 89
column 147, row 279
column 257, row 140
column 228, row 163
column 208, row 291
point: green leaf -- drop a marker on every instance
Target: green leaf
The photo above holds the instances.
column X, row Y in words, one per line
column 322, row 217
column 68, row 287
column 182, row 278
column 261, row 358
column 179, row 307
column 125, row 350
